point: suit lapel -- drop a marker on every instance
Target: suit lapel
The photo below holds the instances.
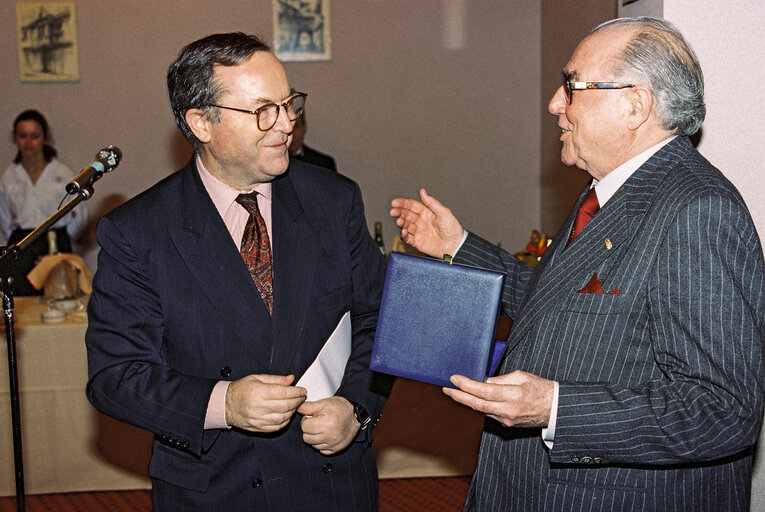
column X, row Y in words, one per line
column 568, row 269
column 296, row 241
column 206, row 248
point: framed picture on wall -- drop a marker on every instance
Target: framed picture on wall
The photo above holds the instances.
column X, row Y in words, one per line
column 301, row 30
column 47, row 41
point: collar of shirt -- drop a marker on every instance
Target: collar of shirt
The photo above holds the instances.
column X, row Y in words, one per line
column 608, row 186
column 233, row 214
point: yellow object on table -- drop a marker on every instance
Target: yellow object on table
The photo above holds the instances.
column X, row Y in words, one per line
column 532, row 253
column 38, row 275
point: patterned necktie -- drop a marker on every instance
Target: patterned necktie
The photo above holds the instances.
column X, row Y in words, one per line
column 587, row 210
column 256, row 250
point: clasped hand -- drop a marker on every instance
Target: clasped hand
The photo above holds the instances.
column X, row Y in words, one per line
column 266, row 403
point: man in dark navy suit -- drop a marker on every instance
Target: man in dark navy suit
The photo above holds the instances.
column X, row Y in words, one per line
column 633, row 376
column 216, row 293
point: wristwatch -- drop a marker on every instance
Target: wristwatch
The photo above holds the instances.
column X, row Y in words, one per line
column 361, row 414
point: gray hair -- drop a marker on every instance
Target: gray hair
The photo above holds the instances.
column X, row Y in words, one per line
column 659, row 55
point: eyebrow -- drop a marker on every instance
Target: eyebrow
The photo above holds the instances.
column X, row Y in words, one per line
column 265, row 101
column 570, row 75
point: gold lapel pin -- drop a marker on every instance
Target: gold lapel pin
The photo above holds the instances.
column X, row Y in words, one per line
column 609, row 245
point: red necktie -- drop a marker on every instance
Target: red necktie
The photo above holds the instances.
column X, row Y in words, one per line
column 256, row 250
column 587, row 210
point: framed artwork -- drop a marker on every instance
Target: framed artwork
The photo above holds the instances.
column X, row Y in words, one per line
column 301, row 30
column 47, row 41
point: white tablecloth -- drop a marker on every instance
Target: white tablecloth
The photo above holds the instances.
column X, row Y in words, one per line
column 67, row 445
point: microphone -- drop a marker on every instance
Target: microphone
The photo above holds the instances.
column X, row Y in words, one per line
column 105, row 161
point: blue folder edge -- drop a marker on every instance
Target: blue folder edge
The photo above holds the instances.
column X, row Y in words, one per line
column 496, row 354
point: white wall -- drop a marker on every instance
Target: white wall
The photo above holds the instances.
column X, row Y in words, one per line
column 727, row 37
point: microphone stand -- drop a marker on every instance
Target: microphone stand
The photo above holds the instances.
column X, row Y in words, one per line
column 8, row 259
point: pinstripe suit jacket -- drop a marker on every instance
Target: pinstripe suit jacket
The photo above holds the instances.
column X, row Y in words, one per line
column 661, row 384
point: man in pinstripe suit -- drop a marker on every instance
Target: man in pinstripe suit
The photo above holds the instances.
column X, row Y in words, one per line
column 633, row 377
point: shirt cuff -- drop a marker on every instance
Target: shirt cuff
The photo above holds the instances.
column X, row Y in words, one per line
column 548, row 434
column 216, row 407
column 462, row 241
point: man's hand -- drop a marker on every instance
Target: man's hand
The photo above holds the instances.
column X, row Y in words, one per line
column 428, row 226
column 262, row 403
column 329, row 424
column 518, row 399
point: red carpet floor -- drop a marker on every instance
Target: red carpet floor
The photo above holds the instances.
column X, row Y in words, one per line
column 396, row 495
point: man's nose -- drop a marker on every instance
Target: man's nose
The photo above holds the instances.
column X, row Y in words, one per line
column 283, row 122
column 558, row 102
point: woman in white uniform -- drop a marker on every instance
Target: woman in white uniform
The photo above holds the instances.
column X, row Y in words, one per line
column 31, row 190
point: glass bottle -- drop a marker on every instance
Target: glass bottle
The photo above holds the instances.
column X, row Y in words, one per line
column 379, row 238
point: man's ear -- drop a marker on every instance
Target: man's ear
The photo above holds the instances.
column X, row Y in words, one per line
column 199, row 124
column 641, row 106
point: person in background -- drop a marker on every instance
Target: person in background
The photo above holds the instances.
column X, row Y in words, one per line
column 217, row 290
column 302, row 152
column 633, row 376
column 31, row 190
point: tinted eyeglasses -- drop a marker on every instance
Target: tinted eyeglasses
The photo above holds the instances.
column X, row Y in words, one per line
column 569, row 86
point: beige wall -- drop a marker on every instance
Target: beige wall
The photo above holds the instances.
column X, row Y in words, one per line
column 395, row 106
column 564, row 24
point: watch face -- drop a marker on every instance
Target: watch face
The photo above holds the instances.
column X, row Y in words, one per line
column 362, row 416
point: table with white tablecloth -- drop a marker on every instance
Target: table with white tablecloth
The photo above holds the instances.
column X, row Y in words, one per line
column 67, row 445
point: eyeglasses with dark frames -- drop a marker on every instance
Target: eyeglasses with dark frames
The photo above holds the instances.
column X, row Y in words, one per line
column 267, row 115
column 569, row 86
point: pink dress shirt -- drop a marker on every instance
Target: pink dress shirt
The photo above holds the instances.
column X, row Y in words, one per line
column 235, row 218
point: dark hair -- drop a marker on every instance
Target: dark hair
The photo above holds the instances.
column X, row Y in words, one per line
column 659, row 55
column 33, row 115
column 190, row 81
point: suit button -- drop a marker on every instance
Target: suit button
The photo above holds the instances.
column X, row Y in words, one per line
column 586, row 460
column 575, row 459
column 257, row 483
column 597, row 460
column 327, row 468
column 225, row 371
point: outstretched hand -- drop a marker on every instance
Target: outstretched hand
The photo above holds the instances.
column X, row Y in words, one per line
column 427, row 225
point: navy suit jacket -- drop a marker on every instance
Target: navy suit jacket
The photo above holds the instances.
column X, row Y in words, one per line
column 174, row 310
column 661, row 380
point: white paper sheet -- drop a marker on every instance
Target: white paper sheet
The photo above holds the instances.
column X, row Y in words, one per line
column 325, row 374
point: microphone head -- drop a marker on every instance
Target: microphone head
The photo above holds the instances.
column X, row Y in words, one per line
column 110, row 157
